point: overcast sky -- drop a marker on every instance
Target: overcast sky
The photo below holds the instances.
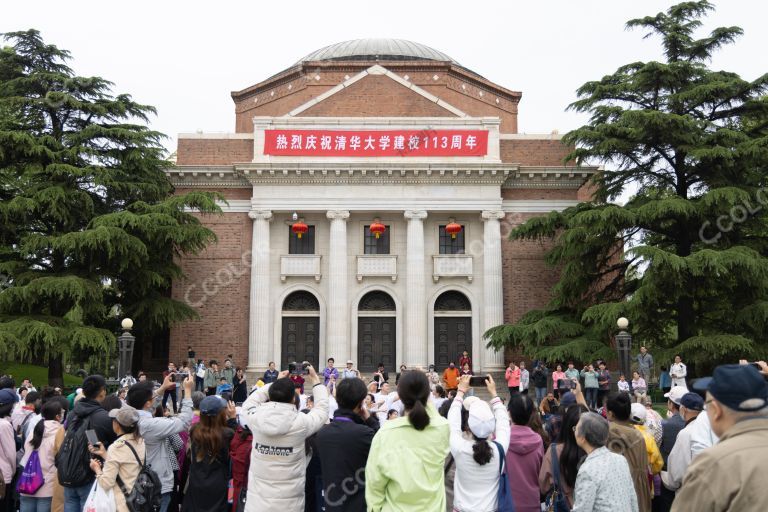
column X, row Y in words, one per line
column 185, row 57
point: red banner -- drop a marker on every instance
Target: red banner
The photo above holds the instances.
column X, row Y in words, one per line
column 376, row 142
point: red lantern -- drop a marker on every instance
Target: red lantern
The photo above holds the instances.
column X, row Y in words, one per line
column 299, row 228
column 453, row 229
column 377, row 228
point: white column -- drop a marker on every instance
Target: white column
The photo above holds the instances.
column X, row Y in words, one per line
column 493, row 290
column 416, row 343
column 260, row 319
column 338, row 308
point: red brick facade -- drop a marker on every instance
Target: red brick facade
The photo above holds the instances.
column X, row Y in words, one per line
column 217, row 284
column 200, row 151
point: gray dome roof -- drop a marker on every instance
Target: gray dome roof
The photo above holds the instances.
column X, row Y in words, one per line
column 377, row 49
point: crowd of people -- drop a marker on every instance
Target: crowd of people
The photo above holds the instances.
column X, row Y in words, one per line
column 338, row 440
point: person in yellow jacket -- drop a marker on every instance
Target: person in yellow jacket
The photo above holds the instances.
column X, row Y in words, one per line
column 655, row 460
column 405, row 465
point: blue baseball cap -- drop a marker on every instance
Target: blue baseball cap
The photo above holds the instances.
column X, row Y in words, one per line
column 737, row 386
column 8, row 396
column 692, row 401
column 567, row 399
column 211, row 405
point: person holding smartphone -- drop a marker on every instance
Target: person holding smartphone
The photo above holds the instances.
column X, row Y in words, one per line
column 123, row 457
column 170, row 391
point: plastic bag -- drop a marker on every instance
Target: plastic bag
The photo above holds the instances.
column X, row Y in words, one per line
column 31, row 479
column 100, row 500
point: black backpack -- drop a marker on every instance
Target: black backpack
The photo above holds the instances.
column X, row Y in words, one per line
column 147, row 490
column 73, row 461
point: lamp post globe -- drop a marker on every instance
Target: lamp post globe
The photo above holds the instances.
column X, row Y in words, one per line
column 125, row 343
column 623, row 345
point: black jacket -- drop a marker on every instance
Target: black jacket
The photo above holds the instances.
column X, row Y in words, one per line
column 343, row 446
column 539, row 377
column 99, row 419
column 670, row 428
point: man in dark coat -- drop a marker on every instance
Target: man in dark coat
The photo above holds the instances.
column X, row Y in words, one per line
column 343, row 446
column 89, row 408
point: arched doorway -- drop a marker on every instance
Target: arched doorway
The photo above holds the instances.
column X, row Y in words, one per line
column 301, row 329
column 453, row 328
column 376, row 327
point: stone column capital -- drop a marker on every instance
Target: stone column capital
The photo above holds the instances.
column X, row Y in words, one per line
column 492, row 215
column 415, row 214
column 337, row 214
column 260, row 215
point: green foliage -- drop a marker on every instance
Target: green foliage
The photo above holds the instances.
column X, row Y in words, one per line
column 88, row 218
column 693, row 144
column 37, row 374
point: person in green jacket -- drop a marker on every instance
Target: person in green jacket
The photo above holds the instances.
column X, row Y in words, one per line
column 590, row 385
column 571, row 373
column 228, row 372
column 405, row 465
column 212, row 377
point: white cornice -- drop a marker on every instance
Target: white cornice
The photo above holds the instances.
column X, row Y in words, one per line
column 384, row 173
column 375, row 173
column 206, row 176
column 536, row 205
column 549, row 177
column 324, row 204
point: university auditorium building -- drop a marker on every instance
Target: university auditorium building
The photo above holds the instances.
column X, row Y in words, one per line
column 370, row 189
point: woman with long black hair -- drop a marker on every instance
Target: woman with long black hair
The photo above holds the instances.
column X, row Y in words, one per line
column 405, row 464
column 239, row 387
column 568, row 456
column 209, row 470
column 477, row 459
column 43, row 441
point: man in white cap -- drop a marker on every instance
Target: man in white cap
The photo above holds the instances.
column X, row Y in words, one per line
column 476, row 482
column 349, row 372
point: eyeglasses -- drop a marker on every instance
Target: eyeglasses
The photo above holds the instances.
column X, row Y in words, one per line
column 707, row 402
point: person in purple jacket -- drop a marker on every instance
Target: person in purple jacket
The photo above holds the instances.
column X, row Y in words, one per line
column 329, row 372
column 524, row 456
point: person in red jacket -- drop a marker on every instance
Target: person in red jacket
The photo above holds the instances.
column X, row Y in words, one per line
column 465, row 359
column 240, row 455
column 512, row 375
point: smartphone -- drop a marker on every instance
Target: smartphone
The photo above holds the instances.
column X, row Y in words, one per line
column 477, row 381
column 93, row 439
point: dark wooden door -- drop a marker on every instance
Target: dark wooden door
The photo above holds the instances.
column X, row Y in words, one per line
column 376, row 343
column 453, row 335
column 301, row 340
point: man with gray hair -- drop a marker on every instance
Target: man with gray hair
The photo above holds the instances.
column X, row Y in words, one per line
column 731, row 474
column 604, row 483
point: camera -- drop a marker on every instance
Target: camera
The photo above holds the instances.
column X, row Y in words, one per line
column 295, row 368
column 179, row 376
column 477, row 381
